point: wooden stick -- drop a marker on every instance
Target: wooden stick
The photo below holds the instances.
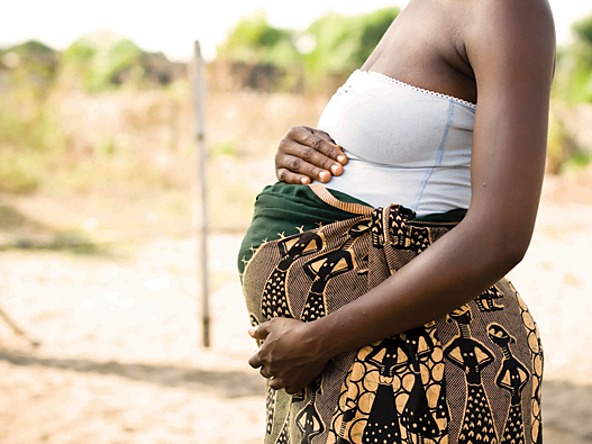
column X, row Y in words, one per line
column 199, row 89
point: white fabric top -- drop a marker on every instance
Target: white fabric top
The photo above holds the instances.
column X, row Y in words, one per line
column 405, row 144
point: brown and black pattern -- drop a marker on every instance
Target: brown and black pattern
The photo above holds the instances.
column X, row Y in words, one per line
column 323, row 268
column 486, row 300
column 275, row 302
column 512, row 376
column 473, row 376
column 472, row 356
column 537, row 361
column 309, row 420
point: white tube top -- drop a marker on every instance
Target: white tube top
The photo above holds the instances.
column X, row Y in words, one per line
column 405, row 145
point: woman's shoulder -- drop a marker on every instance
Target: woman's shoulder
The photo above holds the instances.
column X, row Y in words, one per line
column 505, row 14
column 516, row 28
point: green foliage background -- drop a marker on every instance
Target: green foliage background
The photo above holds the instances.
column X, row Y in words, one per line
column 573, row 82
column 332, row 45
column 254, row 40
column 343, row 43
column 32, row 141
column 572, row 87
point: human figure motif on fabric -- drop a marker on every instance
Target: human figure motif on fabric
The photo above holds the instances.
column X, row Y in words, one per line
column 274, row 302
column 417, row 416
column 390, row 356
column 385, row 392
column 512, row 376
column 472, row 357
column 325, row 267
column 308, row 420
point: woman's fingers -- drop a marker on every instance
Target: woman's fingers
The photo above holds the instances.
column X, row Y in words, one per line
column 285, row 175
column 289, row 356
column 263, row 372
column 292, row 169
column 276, row 384
column 254, row 361
column 323, row 147
column 307, row 154
column 260, row 331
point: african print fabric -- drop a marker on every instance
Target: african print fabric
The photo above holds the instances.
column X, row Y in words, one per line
column 471, row 377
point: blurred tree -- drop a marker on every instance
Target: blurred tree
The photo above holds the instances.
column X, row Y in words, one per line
column 32, row 63
column 27, row 129
column 112, row 59
column 341, row 43
column 334, row 45
column 80, row 52
column 104, row 61
column 572, row 87
column 573, row 81
column 253, row 40
column 583, row 29
column 76, row 65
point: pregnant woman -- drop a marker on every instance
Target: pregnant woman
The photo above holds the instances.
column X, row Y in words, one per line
column 374, row 273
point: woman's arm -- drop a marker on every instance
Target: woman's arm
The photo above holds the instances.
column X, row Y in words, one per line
column 511, row 47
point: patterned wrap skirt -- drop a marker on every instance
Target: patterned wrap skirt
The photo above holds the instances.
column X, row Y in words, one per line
column 472, row 376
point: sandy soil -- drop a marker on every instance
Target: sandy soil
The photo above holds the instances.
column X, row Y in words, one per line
column 120, row 359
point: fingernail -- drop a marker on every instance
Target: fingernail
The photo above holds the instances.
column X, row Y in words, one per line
column 251, row 332
column 336, row 169
column 342, row 159
column 324, row 176
column 304, row 180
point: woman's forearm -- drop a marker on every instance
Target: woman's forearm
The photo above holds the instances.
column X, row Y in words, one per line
column 455, row 269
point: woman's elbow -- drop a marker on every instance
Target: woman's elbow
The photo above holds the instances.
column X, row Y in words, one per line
column 502, row 237
column 497, row 246
column 512, row 256
column 508, row 250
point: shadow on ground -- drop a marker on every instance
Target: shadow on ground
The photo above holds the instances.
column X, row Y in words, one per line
column 229, row 384
column 19, row 231
column 567, row 407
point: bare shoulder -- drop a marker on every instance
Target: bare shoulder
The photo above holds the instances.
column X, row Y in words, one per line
column 516, row 25
column 510, row 39
column 506, row 14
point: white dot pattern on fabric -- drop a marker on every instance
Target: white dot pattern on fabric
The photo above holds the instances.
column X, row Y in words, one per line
column 423, row 90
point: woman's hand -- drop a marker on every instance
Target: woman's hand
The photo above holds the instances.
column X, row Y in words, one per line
column 291, row 355
column 306, row 154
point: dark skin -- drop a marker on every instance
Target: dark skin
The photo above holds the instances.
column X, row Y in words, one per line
column 497, row 53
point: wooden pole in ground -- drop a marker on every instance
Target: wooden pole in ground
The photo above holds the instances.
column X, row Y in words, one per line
column 201, row 214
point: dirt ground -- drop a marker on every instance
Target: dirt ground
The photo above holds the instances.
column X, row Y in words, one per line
column 119, row 358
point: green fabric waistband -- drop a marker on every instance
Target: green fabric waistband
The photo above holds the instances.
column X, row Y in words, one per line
column 285, row 209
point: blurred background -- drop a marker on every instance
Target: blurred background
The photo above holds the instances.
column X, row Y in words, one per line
column 101, row 337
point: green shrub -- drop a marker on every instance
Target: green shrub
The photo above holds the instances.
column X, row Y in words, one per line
column 254, row 40
column 342, row 43
column 573, row 79
column 110, row 61
column 563, row 152
column 333, row 45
